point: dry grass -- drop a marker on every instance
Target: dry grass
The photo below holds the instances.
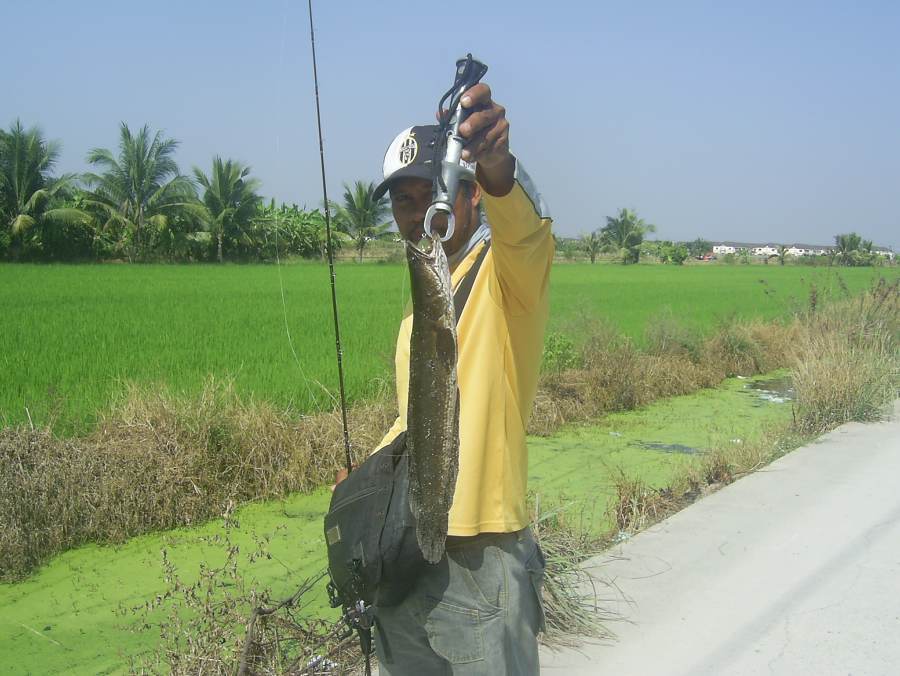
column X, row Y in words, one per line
column 636, row 504
column 158, row 461
column 847, row 360
column 223, row 625
column 574, row 601
column 613, row 375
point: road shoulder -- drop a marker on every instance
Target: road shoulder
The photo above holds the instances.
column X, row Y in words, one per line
column 794, row 569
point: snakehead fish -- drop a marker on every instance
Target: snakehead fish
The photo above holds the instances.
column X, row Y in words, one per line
column 432, row 417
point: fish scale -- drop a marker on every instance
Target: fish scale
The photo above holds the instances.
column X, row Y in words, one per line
column 433, row 406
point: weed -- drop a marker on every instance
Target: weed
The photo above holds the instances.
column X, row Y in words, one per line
column 636, row 504
column 667, row 336
column 158, row 461
column 847, row 360
column 574, row 601
column 223, row 624
column 559, row 353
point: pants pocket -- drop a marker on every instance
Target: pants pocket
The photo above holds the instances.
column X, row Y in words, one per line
column 455, row 633
column 536, row 565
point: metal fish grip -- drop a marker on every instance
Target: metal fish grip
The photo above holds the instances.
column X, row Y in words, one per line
column 448, row 166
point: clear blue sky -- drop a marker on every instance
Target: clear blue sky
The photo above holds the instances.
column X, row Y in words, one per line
column 753, row 121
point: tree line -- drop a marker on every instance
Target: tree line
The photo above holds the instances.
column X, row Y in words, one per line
column 137, row 205
column 623, row 238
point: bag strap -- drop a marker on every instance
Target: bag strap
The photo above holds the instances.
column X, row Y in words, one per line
column 465, row 286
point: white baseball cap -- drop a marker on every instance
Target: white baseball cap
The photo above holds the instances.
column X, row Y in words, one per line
column 411, row 155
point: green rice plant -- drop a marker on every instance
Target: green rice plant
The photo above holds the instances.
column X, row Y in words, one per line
column 632, row 298
column 72, row 336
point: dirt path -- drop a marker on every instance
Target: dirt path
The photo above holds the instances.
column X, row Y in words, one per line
column 792, row 570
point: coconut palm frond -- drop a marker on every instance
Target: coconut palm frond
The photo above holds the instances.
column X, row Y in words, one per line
column 361, row 216
column 67, row 216
column 230, row 200
column 624, row 233
column 22, row 223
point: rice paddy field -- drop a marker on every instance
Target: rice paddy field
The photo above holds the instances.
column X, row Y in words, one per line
column 72, row 335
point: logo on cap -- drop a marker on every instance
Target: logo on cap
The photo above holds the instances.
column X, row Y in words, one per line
column 408, row 150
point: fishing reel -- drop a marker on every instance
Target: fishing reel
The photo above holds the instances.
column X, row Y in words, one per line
column 448, row 163
column 357, row 616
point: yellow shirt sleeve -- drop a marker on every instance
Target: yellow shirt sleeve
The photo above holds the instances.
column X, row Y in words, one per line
column 522, row 244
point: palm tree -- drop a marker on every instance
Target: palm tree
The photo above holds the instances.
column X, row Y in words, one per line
column 229, row 199
column 362, row 216
column 592, row 244
column 846, row 245
column 782, row 252
column 29, row 197
column 852, row 249
column 141, row 189
column 624, row 233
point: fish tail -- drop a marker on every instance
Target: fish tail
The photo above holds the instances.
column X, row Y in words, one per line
column 432, row 539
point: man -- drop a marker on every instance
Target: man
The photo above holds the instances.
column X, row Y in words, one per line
column 478, row 611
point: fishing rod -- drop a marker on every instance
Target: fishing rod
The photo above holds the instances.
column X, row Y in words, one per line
column 330, row 249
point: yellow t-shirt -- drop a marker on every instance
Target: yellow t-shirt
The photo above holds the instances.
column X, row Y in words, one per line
column 501, row 336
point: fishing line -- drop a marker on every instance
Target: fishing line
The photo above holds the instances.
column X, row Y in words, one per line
column 312, row 402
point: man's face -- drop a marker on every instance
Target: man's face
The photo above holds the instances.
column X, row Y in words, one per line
column 410, row 199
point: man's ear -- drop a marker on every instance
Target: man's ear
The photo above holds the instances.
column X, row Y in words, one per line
column 475, row 199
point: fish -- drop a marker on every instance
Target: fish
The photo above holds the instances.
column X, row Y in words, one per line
column 432, row 418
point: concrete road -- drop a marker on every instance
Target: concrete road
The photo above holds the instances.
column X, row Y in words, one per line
column 793, row 570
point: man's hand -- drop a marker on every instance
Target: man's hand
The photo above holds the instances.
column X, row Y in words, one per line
column 487, row 133
column 340, row 476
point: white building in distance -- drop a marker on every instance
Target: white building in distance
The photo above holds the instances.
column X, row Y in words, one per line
column 765, row 250
column 796, row 250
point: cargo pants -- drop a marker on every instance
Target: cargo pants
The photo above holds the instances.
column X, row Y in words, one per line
column 476, row 612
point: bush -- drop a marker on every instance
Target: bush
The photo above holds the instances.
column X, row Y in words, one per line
column 846, row 360
column 559, row 353
column 666, row 336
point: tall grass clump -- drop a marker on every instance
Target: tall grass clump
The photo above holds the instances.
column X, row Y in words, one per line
column 610, row 373
column 847, row 360
column 158, row 461
column 574, row 601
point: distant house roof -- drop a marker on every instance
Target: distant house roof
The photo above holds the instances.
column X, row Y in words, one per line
column 826, row 247
column 798, row 245
column 751, row 245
